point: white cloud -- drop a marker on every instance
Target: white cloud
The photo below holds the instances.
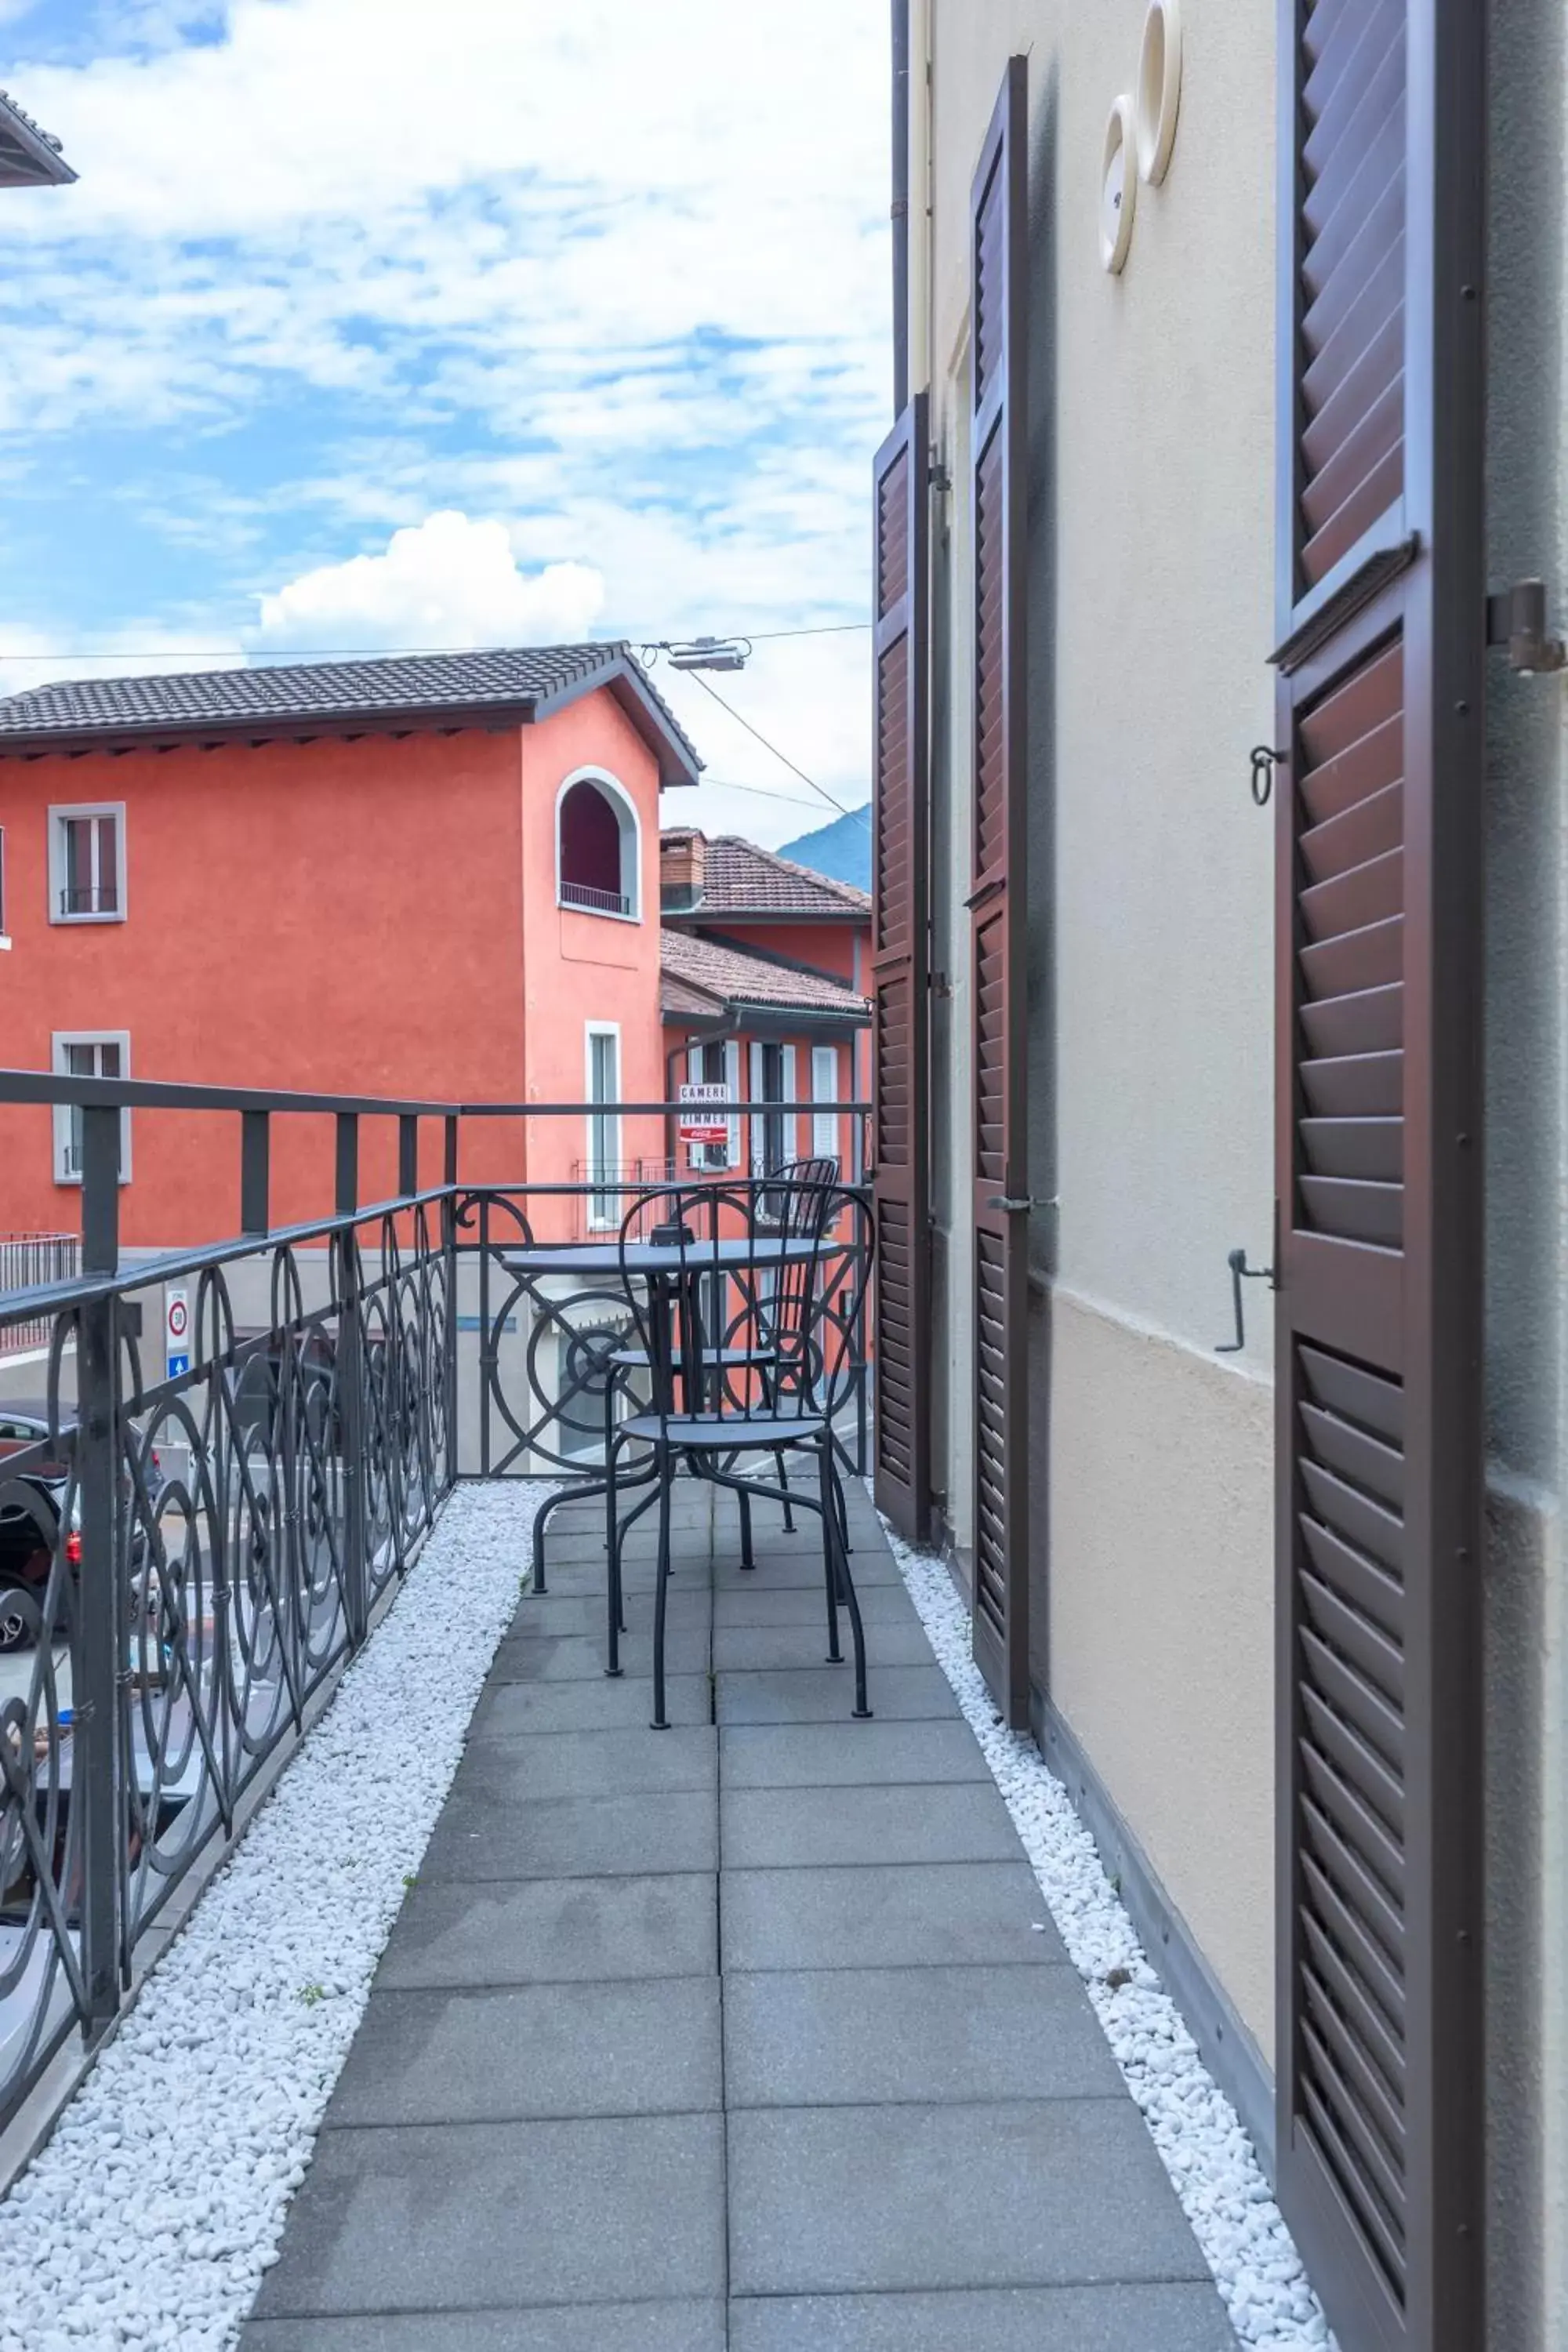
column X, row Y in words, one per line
column 449, row 582
column 611, row 277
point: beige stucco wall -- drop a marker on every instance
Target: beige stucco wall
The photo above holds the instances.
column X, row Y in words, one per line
column 1152, row 533
column 1527, row 1200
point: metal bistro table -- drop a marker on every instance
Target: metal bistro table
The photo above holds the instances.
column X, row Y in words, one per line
column 658, row 1264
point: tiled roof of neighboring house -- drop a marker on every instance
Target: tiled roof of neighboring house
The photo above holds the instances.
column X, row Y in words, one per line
column 517, row 683
column 702, row 977
column 740, row 879
column 29, row 158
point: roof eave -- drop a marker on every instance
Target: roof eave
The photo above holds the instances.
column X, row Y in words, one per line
column 32, row 162
column 159, row 735
column 686, row 918
column 794, row 1020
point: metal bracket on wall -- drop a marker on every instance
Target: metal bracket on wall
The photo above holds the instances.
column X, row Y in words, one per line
column 1241, row 1272
column 1516, row 618
column 1264, row 762
column 1019, row 1206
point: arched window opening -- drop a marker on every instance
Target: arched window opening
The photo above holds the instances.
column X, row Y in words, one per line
column 597, row 850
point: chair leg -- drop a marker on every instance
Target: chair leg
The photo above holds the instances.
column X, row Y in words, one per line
column 614, row 1610
column 829, row 1561
column 748, row 1557
column 770, row 1401
column 830, row 1498
column 843, row 1514
column 662, row 1472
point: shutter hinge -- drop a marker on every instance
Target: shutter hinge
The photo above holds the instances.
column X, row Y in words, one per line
column 1516, row 619
column 1241, row 1272
column 939, row 984
column 1018, row 1204
column 937, row 476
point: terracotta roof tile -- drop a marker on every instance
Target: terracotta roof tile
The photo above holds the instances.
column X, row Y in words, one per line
column 513, row 677
column 741, row 879
column 728, row 975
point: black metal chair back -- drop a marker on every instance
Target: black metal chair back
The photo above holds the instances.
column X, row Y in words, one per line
column 785, row 1291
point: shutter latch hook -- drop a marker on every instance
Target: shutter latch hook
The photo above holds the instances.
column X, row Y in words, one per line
column 1241, row 1272
column 1264, row 762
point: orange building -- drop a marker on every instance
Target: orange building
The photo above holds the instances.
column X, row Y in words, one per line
column 765, row 968
column 434, row 877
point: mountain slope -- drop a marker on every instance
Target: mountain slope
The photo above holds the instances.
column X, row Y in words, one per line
column 841, row 850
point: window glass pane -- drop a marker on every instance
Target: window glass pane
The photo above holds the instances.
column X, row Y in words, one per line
column 109, row 1059
column 78, row 866
column 108, row 875
column 824, row 1088
column 772, row 1092
column 603, row 1086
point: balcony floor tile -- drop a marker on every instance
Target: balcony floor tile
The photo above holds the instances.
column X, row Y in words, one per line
column 753, row 2033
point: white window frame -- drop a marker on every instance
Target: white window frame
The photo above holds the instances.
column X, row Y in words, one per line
column 824, row 1088
column 58, row 1044
column 61, row 815
column 630, row 822
column 611, row 1127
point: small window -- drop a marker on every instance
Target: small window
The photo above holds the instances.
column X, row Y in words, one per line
column 598, row 848
column 80, row 1056
column 604, row 1125
column 824, row 1090
column 87, row 864
column 774, row 1141
column 772, row 1132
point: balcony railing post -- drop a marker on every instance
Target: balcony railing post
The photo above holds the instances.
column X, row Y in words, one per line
column 350, row 1388
column 255, row 1172
column 449, row 1262
column 99, row 1605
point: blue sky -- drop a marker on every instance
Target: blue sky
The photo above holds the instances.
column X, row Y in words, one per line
column 393, row 322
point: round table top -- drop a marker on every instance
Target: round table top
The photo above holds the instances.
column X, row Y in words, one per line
column 599, row 1258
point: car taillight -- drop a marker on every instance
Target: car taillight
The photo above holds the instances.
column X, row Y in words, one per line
column 73, row 1546
column 157, row 1465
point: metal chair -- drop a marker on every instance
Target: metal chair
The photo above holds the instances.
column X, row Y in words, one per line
column 754, row 1324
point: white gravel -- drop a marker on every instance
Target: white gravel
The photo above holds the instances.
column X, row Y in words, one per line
column 1212, row 2163
column 151, row 2215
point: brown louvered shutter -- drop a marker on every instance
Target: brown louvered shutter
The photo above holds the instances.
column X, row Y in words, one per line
column 898, row 974
column 1379, row 2059
column 999, row 235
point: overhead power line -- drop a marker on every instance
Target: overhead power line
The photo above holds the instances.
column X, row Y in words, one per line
column 698, row 680
column 354, row 653
column 766, row 793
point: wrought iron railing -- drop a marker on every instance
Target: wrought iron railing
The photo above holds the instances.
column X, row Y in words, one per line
column 91, row 898
column 594, row 901
column 28, row 1260
column 199, row 1537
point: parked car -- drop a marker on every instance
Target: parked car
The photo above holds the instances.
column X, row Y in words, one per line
column 32, row 1502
